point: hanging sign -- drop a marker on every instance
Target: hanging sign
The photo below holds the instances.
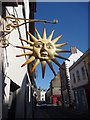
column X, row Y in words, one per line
column 44, row 50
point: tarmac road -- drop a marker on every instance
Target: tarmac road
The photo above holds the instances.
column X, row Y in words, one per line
column 59, row 113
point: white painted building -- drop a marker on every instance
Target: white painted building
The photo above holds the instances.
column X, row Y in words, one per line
column 65, row 76
column 17, row 96
column 42, row 95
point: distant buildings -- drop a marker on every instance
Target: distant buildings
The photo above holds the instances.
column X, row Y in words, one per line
column 80, row 81
column 41, row 94
column 53, row 94
column 38, row 94
column 66, row 90
column 47, row 95
column 71, row 86
column 75, row 80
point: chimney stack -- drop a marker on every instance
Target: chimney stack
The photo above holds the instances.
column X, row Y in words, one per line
column 73, row 49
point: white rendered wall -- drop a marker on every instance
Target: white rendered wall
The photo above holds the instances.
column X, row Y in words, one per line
column 42, row 95
column 73, row 58
column 14, row 70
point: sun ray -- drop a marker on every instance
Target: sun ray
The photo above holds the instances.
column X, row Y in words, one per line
column 25, row 47
column 50, row 37
column 36, row 63
column 62, row 44
column 60, row 50
column 28, row 53
column 57, row 55
column 44, row 33
column 56, row 62
column 29, row 42
column 29, row 60
column 56, row 39
column 32, row 37
column 38, row 35
column 50, row 65
column 43, row 65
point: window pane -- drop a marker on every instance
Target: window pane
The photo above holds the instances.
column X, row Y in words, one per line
column 83, row 72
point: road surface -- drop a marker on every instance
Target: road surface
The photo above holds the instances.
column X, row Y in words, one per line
column 59, row 113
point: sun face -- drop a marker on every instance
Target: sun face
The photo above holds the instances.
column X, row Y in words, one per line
column 43, row 50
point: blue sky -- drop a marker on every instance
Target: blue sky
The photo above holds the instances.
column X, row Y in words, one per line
column 72, row 24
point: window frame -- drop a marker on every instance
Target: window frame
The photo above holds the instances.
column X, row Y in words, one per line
column 83, row 72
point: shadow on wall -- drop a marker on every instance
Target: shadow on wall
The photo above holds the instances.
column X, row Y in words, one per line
column 19, row 104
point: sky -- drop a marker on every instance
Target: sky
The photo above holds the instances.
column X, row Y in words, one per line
column 72, row 24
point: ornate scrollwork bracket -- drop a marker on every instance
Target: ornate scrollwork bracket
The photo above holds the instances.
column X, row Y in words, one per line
column 15, row 23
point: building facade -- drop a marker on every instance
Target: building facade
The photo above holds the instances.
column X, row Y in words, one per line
column 66, row 91
column 80, row 77
column 17, row 84
column 53, row 94
column 41, row 94
column 47, row 96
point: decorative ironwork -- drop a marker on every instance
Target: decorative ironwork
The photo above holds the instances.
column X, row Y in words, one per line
column 14, row 23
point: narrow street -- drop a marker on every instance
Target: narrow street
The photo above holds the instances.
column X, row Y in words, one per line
column 59, row 113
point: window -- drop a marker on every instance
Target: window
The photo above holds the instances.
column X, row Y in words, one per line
column 42, row 99
column 83, row 72
column 78, row 75
column 42, row 95
column 74, row 79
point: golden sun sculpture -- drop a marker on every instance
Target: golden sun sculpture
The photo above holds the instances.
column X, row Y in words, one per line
column 44, row 50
